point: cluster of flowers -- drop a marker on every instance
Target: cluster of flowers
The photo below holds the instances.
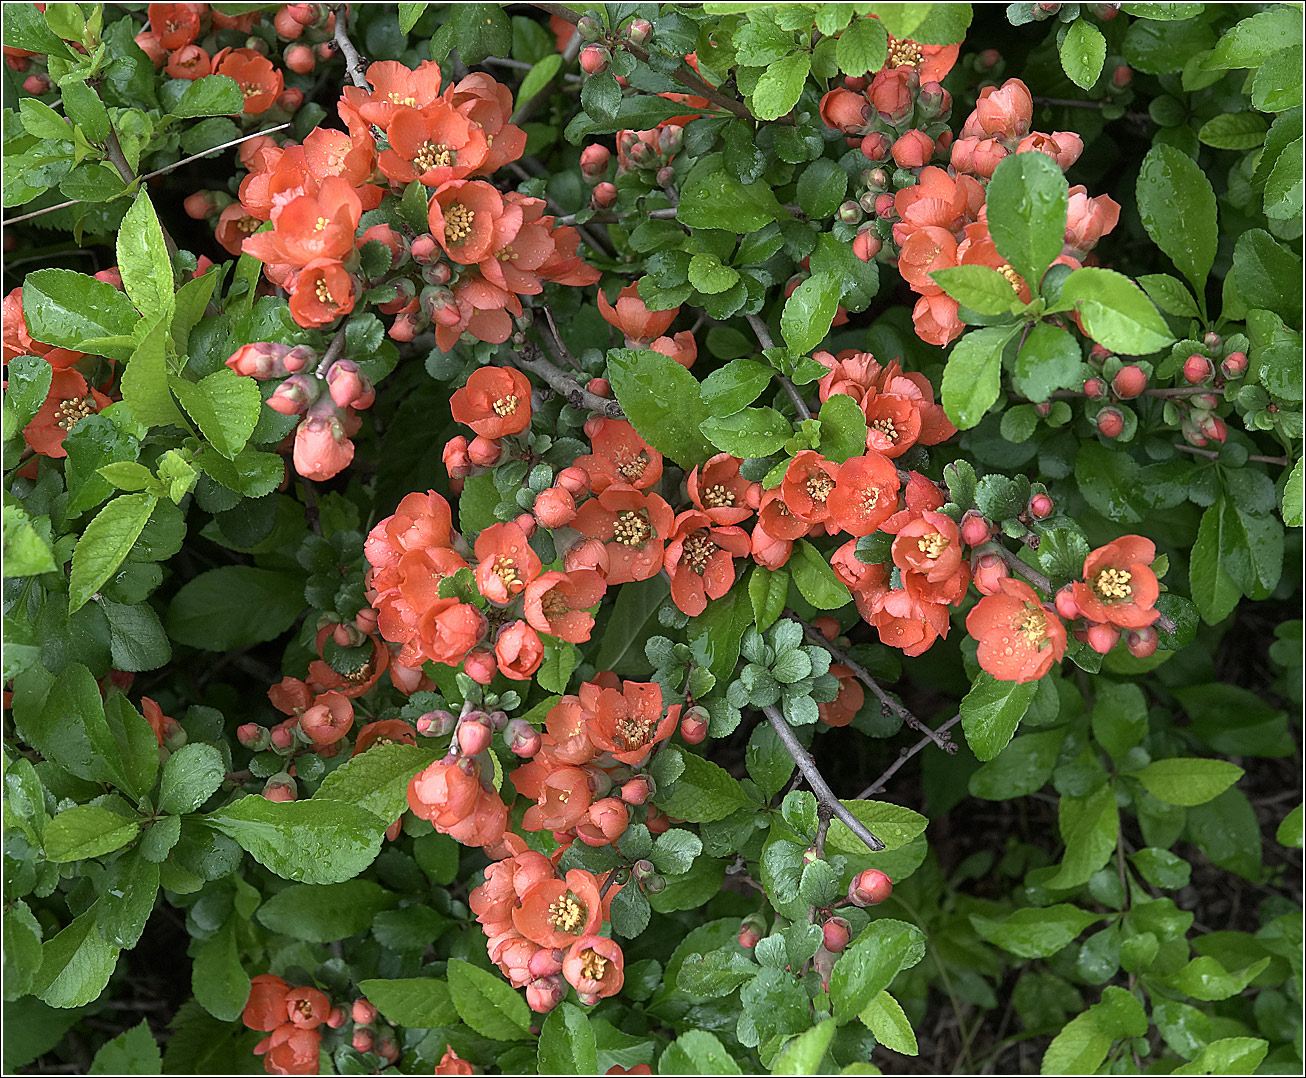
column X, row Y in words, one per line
column 485, row 248
column 543, row 929
column 1020, row 636
column 294, row 1017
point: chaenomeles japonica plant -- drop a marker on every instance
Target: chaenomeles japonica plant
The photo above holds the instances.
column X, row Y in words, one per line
column 726, row 538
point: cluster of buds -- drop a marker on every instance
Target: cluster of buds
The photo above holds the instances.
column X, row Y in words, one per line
column 596, row 53
column 649, row 153
column 896, row 119
column 1108, row 391
column 1115, row 598
column 294, row 1019
column 369, row 1034
column 327, row 398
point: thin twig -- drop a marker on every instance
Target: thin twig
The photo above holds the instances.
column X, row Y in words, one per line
column 824, row 795
column 863, row 675
column 906, row 754
column 1211, row 454
column 530, row 358
column 562, row 345
column 354, row 63
column 527, row 108
column 1023, row 568
column 764, row 339
column 334, row 351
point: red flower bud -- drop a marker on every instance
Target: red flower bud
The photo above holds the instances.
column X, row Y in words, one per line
column 869, row 888
column 1234, row 365
column 1110, row 422
column 337, row 1017
column 1141, row 642
column 481, row 665
column 876, row 147
column 1129, row 382
column 254, row 737
column 638, row 790
column 555, row 507
column 605, row 194
column 835, row 934
column 363, row 1013
column 301, row 59
column 435, row 723
column 594, row 162
column 594, row 59
column 483, row 451
column 474, row 734
column 975, row 528
column 600, row 387
column 693, row 727
column 1040, row 507
column 573, row 479
column 280, row 787
column 1122, row 76
column 522, row 738
column 1065, row 603
column 639, row 31
column 1198, row 369
column 866, row 245
column 1095, row 389
column 1102, row 637
column 362, row 1040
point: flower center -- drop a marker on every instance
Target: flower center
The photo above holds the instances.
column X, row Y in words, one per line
column 250, row 89
column 698, row 551
column 70, row 411
column 631, row 529
column 593, row 965
column 395, row 99
column 506, row 406
column 885, row 427
column 458, row 222
column 430, row 155
column 633, row 731
column 903, row 52
column 323, row 291
column 1032, row 626
column 248, row 224
column 320, row 224
column 1013, row 278
column 718, row 497
column 819, row 487
column 361, row 674
column 1113, row 584
column 566, row 914
column 870, row 499
column 932, row 545
column 506, row 571
column 632, row 467
column 553, row 604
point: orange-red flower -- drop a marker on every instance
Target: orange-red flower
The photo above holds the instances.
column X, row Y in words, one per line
column 393, row 86
column 176, row 25
column 266, row 1007
column 488, row 103
column 1019, row 638
column 932, row 62
column 518, row 651
column 563, row 799
column 310, row 228
column 471, row 221
column 634, row 528
column 496, row 401
column 384, row 732
column 291, row 1050
column 700, row 559
column 435, row 144
column 630, row 722
column 323, row 291
column 928, row 553
column 259, row 82
column 843, row 708
column 777, row 523
column 633, row 318
column 865, row 493
column 558, row 603
column 595, row 966
column 506, row 563
column 1119, row 587
column 807, row 485
column 721, row 492
column 620, row 456
column 307, row 1007
column 555, row 913
column 68, row 401
column 451, row 1062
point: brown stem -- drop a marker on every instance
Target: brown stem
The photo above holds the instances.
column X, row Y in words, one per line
column 824, row 795
column 557, row 337
column 354, row 63
column 764, row 339
column 334, row 351
column 1211, row 454
column 863, row 675
column 530, row 358
column 527, row 108
column 906, row 754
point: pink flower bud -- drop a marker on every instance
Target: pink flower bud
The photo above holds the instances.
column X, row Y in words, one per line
column 1110, row 422
column 594, row 162
column 283, row 736
column 300, row 59
column 522, row 738
column 481, row 665
column 600, row 387
column 254, row 737
column 835, row 934
column 474, row 734
column 1129, row 382
column 1141, row 642
column 1065, row 603
column 1198, row 369
column 1234, row 365
column 574, row 480
column 362, row 1040
column 1102, row 637
column 594, row 59
column 295, row 395
column 1212, row 340
column 1040, row 507
column 975, row 529
column 387, row 1047
column 1094, row 389
column 483, row 451
column 280, row 787
column 869, row 888
column 435, row 723
column 1122, row 76
column 885, row 208
column 1213, row 428
column 876, row 147
column 555, row 507
column 322, row 449
column 988, row 573
column 526, row 522
column 639, row 31
column 866, row 245
column 913, row 149
column 637, row 791
column 38, row 84
column 544, row 993
column 337, row 1018
column 605, row 194
column 345, row 382
column 850, row 213
column 693, row 727
column 988, row 59
column 457, row 461
column 362, row 1012
column 751, row 931
column 425, row 249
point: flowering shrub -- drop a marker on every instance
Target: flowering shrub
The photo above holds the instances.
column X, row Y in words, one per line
column 726, row 538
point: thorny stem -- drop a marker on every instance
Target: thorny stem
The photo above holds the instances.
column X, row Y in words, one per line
column 1023, row 568
column 354, row 63
column 824, row 795
column 764, row 339
column 906, row 754
column 1211, row 454
column 530, row 358
column 863, row 675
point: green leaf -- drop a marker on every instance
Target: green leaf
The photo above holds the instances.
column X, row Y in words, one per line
column 809, row 312
column 973, row 376
column 884, row 1017
column 218, row 980
column 767, row 590
column 752, row 432
column 145, row 381
column 190, row 776
column 1221, row 542
column 1283, row 185
column 600, row 95
column 567, row 1043
column 1027, row 205
column 815, row 580
column 87, row 831
column 1265, row 272
column 662, row 401
column 1020, row 769
column 868, row 967
column 1161, row 868
column 377, row 780
column 703, row 792
column 1187, row 780
column 1119, row 717
column 308, row 841
column 862, row 47
column 320, row 914
column 75, row 964
column 105, row 543
column 1090, row 827
column 539, row 77
column 1037, row 932
column 709, row 276
column 780, row 86
column 212, row 95
column 419, row 1002
column 1206, row 979
column 821, row 188
column 696, row 1052
column 133, row 1052
column 1254, row 40
column 803, row 1054
column 26, row 551
column 560, row 659
column 1084, row 1042
column 1289, row 832
column 712, row 198
column 409, row 14
column 1169, row 294
column 1049, row 359
column 1177, row 205
column 479, row 30
column 843, row 428
column 1083, row 52
column 486, row 1003
column 1291, row 505
column 894, row 825
column 1116, row 312
column 980, row 288
column 143, row 260
column 224, row 405
column 1233, row 131
column 736, row 385
column 991, row 711
column 234, row 605
column 136, row 637
column 1229, row 1055
column 67, row 309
